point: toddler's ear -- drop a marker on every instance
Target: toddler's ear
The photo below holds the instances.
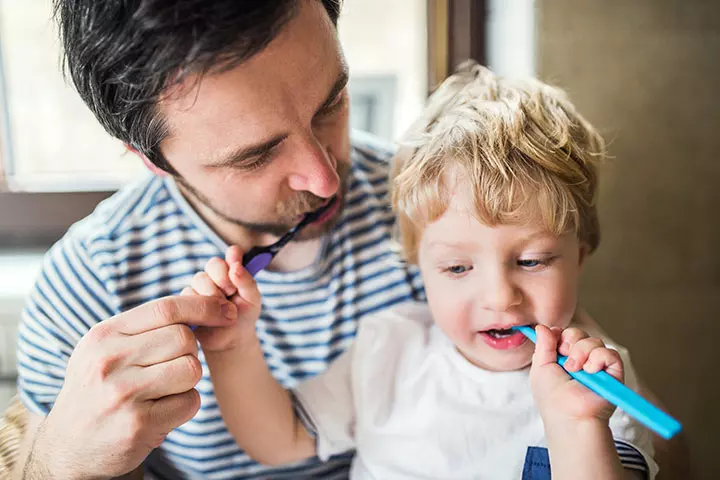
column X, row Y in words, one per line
column 583, row 254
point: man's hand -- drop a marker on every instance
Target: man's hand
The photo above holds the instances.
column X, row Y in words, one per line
column 129, row 382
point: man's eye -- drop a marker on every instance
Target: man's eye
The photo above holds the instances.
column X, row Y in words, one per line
column 334, row 106
column 259, row 162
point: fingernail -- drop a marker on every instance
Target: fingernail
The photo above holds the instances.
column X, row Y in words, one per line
column 229, row 310
column 570, row 364
column 565, row 346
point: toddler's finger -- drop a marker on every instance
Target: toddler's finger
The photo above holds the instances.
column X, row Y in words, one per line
column 545, row 347
column 219, row 272
column 188, row 291
column 245, row 284
column 568, row 338
column 580, row 351
column 605, row 359
column 233, row 255
column 204, row 285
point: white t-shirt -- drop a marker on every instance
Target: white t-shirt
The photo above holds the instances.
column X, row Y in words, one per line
column 414, row 408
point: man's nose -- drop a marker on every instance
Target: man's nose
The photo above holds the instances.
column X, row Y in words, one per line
column 314, row 170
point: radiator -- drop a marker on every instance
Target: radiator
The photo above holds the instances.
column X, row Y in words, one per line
column 10, row 309
column 17, row 275
column 9, row 316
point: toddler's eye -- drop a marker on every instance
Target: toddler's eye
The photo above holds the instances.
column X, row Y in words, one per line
column 529, row 263
column 458, row 269
column 535, row 264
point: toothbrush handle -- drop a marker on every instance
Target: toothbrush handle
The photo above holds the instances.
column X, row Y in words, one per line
column 620, row 395
column 253, row 264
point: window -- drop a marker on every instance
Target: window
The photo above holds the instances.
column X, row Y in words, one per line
column 58, row 162
column 385, row 45
column 372, row 102
column 511, row 37
column 53, row 143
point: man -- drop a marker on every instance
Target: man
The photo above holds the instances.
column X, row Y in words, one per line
column 242, row 110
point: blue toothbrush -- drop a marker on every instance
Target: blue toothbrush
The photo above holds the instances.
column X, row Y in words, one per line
column 619, row 395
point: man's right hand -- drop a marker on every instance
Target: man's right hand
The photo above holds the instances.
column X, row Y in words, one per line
column 129, row 382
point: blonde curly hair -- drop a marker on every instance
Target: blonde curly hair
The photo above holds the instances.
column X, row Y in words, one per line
column 520, row 146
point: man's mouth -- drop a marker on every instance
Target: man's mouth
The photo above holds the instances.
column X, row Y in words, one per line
column 329, row 210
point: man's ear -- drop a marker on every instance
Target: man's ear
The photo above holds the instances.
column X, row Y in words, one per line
column 148, row 164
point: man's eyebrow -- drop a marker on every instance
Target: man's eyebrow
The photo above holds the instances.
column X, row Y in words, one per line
column 245, row 152
column 337, row 87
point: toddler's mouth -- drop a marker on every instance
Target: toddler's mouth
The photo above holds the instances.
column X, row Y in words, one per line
column 500, row 333
column 502, row 338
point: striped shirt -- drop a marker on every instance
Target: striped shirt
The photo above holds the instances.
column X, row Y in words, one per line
column 146, row 242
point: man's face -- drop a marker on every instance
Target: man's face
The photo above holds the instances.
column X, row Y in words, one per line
column 267, row 141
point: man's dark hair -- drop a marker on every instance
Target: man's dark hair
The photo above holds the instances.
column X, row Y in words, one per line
column 123, row 54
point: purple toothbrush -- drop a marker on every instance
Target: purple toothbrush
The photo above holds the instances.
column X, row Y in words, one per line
column 258, row 258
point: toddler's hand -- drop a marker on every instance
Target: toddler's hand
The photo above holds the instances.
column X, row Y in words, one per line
column 558, row 396
column 228, row 278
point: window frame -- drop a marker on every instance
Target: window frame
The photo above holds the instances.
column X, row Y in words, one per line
column 456, row 32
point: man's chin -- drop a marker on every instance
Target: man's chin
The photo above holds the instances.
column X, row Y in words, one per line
column 309, row 232
column 315, row 231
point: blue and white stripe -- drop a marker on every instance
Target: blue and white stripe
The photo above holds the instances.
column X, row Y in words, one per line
column 146, row 242
column 631, row 458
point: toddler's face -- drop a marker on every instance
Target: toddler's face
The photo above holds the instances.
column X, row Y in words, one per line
column 482, row 280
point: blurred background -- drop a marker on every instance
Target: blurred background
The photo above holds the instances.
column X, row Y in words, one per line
column 645, row 72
